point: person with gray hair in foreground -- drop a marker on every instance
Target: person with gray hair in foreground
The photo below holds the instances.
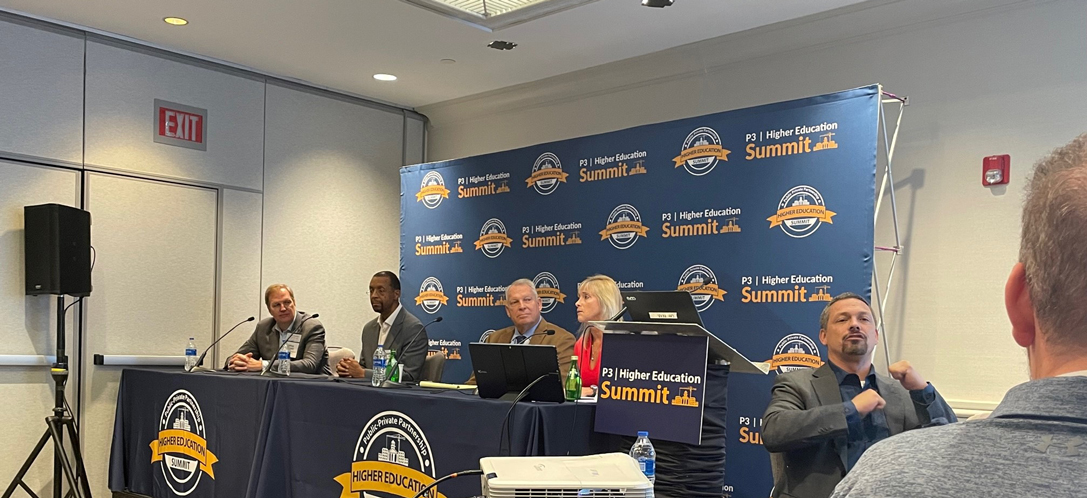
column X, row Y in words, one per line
column 820, row 421
column 524, row 308
column 1035, row 442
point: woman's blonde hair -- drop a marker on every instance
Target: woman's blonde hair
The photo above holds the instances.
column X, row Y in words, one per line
column 605, row 290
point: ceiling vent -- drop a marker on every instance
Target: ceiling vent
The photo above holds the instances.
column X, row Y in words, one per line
column 492, row 15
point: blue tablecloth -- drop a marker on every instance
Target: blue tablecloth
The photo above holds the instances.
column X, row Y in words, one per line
column 231, row 435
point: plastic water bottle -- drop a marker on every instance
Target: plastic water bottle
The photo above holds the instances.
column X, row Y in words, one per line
column 190, row 354
column 283, row 367
column 392, row 372
column 645, row 455
column 380, row 357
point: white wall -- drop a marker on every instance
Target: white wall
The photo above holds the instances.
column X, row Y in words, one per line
column 332, row 219
column 983, row 77
column 185, row 239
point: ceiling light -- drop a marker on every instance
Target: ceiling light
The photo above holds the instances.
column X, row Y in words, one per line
column 657, row 3
column 501, row 45
column 176, row 21
column 384, row 77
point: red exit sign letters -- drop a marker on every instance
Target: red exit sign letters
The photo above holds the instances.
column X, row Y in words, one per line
column 181, row 125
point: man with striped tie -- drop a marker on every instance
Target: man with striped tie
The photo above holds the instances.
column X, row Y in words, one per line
column 523, row 307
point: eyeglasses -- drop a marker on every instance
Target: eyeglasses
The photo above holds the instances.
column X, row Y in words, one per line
column 380, row 291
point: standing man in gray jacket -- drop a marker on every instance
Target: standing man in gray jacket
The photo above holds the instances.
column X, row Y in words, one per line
column 820, row 421
column 395, row 329
column 1035, row 442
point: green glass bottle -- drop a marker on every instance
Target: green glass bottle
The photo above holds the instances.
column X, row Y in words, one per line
column 392, row 372
column 573, row 381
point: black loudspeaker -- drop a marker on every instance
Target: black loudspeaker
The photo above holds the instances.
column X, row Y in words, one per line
column 58, row 250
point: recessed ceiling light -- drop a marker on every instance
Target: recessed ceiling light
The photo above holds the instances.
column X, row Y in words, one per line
column 448, row 61
column 176, row 21
column 384, row 77
column 501, row 45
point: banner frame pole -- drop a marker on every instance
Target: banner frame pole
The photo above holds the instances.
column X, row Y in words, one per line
column 890, row 141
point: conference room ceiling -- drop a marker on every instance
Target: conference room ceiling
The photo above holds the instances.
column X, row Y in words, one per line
column 341, row 44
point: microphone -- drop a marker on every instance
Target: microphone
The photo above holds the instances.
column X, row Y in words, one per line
column 296, row 331
column 213, row 343
column 405, row 344
column 617, row 315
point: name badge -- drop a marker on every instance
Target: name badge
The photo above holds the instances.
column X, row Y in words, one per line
column 291, row 346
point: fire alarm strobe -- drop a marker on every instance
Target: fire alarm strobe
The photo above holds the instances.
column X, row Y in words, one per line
column 994, row 170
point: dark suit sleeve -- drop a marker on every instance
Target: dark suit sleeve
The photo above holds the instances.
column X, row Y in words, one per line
column 413, row 355
column 249, row 346
column 931, row 408
column 314, row 352
column 789, row 424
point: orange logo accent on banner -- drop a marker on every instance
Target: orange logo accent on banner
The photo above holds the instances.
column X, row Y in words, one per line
column 493, row 238
column 701, row 151
column 432, row 190
column 709, row 289
column 795, row 359
column 551, row 292
column 623, row 226
column 431, row 296
column 385, row 477
column 186, row 443
column 547, row 174
column 793, row 212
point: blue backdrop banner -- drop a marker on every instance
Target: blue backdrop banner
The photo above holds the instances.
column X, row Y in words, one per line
column 762, row 213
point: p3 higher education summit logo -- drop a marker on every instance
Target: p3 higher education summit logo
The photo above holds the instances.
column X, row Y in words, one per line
column 700, row 281
column 392, row 458
column 546, row 174
column 547, row 287
column 701, row 151
column 624, row 227
column 801, row 212
column 181, row 449
column 492, row 238
column 431, row 296
column 432, row 191
column 795, row 352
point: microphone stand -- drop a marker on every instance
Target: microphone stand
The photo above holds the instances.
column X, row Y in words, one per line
column 297, row 330
column 199, row 361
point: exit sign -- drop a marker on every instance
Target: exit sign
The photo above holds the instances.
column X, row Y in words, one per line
column 181, row 125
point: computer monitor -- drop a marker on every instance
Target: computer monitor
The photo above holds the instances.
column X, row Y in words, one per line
column 661, row 307
column 504, row 370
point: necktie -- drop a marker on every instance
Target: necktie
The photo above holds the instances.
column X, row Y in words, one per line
column 519, row 339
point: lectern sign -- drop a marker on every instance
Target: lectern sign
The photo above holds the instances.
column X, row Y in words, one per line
column 652, row 383
column 181, row 125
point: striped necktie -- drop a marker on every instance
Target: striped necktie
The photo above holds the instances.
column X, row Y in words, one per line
column 519, row 339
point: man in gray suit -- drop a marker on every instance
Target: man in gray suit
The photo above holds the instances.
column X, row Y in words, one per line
column 394, row 328
column 820, row 421
column 1035, row 442
column 304, row 336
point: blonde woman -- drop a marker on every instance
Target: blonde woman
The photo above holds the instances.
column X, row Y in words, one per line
column 597, row 299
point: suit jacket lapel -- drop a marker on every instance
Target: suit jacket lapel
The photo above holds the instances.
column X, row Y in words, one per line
column 894, row 411
column 394, row 330
column 369, row 341
column 825, row 385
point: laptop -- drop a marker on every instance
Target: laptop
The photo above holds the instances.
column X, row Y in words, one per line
column 661, row 307
column 504, row 370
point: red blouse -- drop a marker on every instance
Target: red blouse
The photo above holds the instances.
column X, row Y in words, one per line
column 590, row 376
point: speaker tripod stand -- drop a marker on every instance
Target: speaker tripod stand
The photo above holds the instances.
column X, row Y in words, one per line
column 57, row 425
